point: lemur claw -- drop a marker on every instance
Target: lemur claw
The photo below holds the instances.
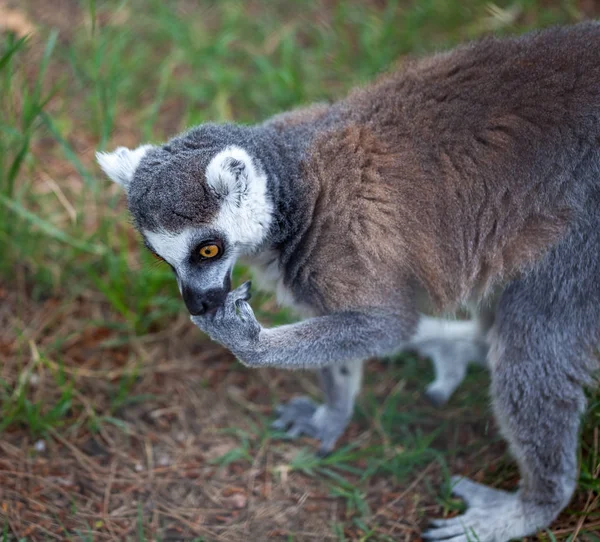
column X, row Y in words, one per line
column 302, row 416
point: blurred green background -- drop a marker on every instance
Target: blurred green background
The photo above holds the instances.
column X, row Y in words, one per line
column 99, row 74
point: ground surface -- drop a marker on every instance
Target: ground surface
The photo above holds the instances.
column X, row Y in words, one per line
column 118, row 420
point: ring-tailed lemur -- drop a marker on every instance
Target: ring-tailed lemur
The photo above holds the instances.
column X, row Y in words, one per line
column 467, row 178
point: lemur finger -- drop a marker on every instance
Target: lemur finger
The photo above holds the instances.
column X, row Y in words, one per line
column 242, row 292
column 280, row 424
column 212, row 318
column 245, row 310
column 444, row 532
column 474, row 494
column 302, row 428
column 444, row 522
column 297, row 417
column 327, row 446
column 447, row 522
column 328, row 435
column 433, row 536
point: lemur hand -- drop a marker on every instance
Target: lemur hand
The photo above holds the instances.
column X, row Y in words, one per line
column 233, row 324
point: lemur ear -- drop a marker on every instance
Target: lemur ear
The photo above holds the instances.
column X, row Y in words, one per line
column 120, row 165
column 229, row 174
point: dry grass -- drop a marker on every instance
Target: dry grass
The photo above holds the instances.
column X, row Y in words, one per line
column 185, row 454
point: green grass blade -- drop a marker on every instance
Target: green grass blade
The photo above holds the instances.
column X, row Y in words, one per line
column 13, row 48
column 70, row 154
column 49, row 229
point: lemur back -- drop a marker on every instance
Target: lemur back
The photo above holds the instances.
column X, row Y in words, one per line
column 462, row 169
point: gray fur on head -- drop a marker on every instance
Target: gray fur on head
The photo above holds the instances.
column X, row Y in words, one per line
column 167, row 189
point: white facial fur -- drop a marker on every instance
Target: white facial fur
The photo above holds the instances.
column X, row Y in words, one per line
column 120, row 165
column 173, row 247
column 246, row 212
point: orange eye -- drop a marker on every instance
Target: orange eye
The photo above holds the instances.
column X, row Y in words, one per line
column 209, row 251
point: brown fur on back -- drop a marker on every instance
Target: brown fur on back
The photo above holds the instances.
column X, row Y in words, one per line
column 456, row 172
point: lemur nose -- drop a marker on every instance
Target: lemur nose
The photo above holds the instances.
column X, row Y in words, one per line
column 201, row 302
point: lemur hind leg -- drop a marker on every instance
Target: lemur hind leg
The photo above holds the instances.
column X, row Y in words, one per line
column 451, row 345
column 538, row 408
column 541, row 357
column 326, row 422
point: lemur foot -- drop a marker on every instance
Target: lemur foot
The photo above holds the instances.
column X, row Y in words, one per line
column 302, row 416
column 450, row 360
column 451, row 345
column 492, row 516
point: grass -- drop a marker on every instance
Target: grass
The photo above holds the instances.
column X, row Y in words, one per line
column 118, row 421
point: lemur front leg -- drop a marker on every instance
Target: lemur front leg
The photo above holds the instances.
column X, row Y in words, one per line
column 326, row 422
column 316, row 343
column 336, row 344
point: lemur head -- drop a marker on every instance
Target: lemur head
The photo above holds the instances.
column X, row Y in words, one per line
column 199, row 202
